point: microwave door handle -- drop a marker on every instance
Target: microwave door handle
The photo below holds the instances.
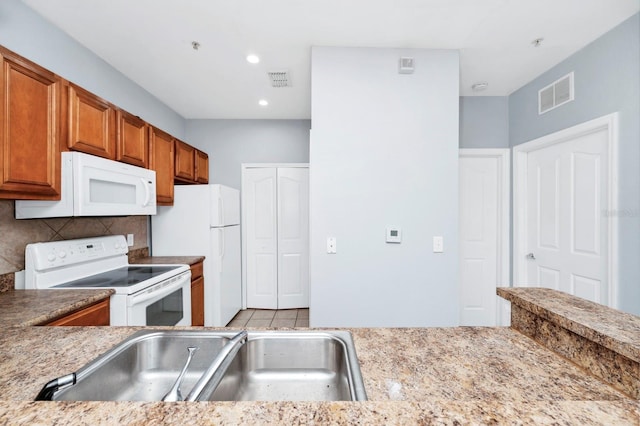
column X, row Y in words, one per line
column 164, row 291
column 147, row 192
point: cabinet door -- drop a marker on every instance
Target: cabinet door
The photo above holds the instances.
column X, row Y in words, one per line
column 97, row 314
column 202, row 167
column 161, row 149
column 133, row 140
column 185, row 162
column 91, row 124
column 197, row 302
column 29, row 129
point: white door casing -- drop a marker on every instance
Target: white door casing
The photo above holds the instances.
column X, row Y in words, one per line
column 275, row 218
column 564, row 185
column 484, row 234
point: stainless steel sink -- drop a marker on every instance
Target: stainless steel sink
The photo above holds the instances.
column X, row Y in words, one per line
column 145, row 366
column 293, row 366
column 271, row 365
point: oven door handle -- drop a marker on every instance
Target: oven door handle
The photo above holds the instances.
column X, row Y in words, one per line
column 160, row 290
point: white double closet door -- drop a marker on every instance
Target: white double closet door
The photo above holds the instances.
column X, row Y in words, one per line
column 275, row 210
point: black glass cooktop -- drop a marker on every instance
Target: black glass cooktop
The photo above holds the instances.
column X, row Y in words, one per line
column 121, row 277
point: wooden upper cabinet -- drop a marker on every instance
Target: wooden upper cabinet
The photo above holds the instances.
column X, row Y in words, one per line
column 91, row 124
column 133, row 140
column 185, row 162
column 202, row 167
column 161, row 160
column 30, row 129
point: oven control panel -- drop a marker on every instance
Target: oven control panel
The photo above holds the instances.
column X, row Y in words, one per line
column 49, row 255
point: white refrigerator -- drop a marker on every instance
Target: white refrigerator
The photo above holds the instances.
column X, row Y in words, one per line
column 205, row 221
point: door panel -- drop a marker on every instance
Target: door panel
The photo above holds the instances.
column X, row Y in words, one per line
column 261, row 230
column 586, row 208
column 566, row 232
column 479, row 210
column 547, row 199
column 586, row 288
column 293, row 238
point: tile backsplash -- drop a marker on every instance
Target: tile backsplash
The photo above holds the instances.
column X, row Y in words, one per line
column 16, row 234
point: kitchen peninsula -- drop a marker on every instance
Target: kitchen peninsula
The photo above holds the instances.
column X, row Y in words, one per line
column 476, row 375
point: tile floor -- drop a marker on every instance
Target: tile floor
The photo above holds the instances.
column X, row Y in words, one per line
column 271, row 318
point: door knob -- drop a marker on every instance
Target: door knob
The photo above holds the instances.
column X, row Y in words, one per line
column 531, row 256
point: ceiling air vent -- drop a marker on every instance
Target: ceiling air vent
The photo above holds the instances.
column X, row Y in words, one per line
column 279, row 78
column 557, row 93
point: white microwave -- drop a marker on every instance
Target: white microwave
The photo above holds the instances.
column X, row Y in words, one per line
column 95, row 186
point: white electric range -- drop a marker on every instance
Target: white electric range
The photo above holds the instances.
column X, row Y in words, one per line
column 144, row 294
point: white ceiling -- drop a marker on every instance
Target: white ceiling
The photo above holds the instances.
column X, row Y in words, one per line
column 150, row 42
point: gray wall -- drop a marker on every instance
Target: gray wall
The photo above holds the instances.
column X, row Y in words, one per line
column 484, row 122
column 28, row 34
column 607, row 79
column 230, row 143
column 384, row 152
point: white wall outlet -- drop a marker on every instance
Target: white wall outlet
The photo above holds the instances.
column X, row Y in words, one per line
column 130, row 240
column 331, row 245
column 438, row 244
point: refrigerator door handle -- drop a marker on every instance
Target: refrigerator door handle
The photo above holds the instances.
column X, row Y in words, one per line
column 221, row 215
column 221, row 246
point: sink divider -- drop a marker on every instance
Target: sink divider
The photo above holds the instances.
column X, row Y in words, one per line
column 211, row 378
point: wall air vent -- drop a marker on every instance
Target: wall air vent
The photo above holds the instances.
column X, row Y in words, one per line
column 279, row 78
column 557, row 93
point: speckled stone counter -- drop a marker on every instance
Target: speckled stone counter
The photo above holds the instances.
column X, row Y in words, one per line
column 169, row 260
column 33, row 307
column 432, row 375
column 603, row 341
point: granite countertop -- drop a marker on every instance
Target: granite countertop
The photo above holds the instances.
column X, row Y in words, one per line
column 169, row 260
column 463, row 374
column 613, row 329
column 33, row 307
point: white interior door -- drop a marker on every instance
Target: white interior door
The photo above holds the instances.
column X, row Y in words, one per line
column 483, row 233
column 261, row 237
column 293, row 238
column 566, row 192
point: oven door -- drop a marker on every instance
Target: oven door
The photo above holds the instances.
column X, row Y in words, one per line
column 165, row 303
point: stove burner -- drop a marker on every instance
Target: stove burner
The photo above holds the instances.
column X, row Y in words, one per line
column 95, row 282
column 122, row 277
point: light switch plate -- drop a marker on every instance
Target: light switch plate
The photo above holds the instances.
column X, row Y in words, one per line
column 331, row 245
column 394, row 235
column 438, row 244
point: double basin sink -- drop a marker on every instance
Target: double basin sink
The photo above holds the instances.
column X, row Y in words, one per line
column 226, row 366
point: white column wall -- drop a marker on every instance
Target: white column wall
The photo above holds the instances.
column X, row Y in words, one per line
column 384, row 151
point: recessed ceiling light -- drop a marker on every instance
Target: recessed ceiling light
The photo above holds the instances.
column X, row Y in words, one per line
column 537, row 42
column 263, row 102
column 480, row 86
column 195, row 45
column 253, row 59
